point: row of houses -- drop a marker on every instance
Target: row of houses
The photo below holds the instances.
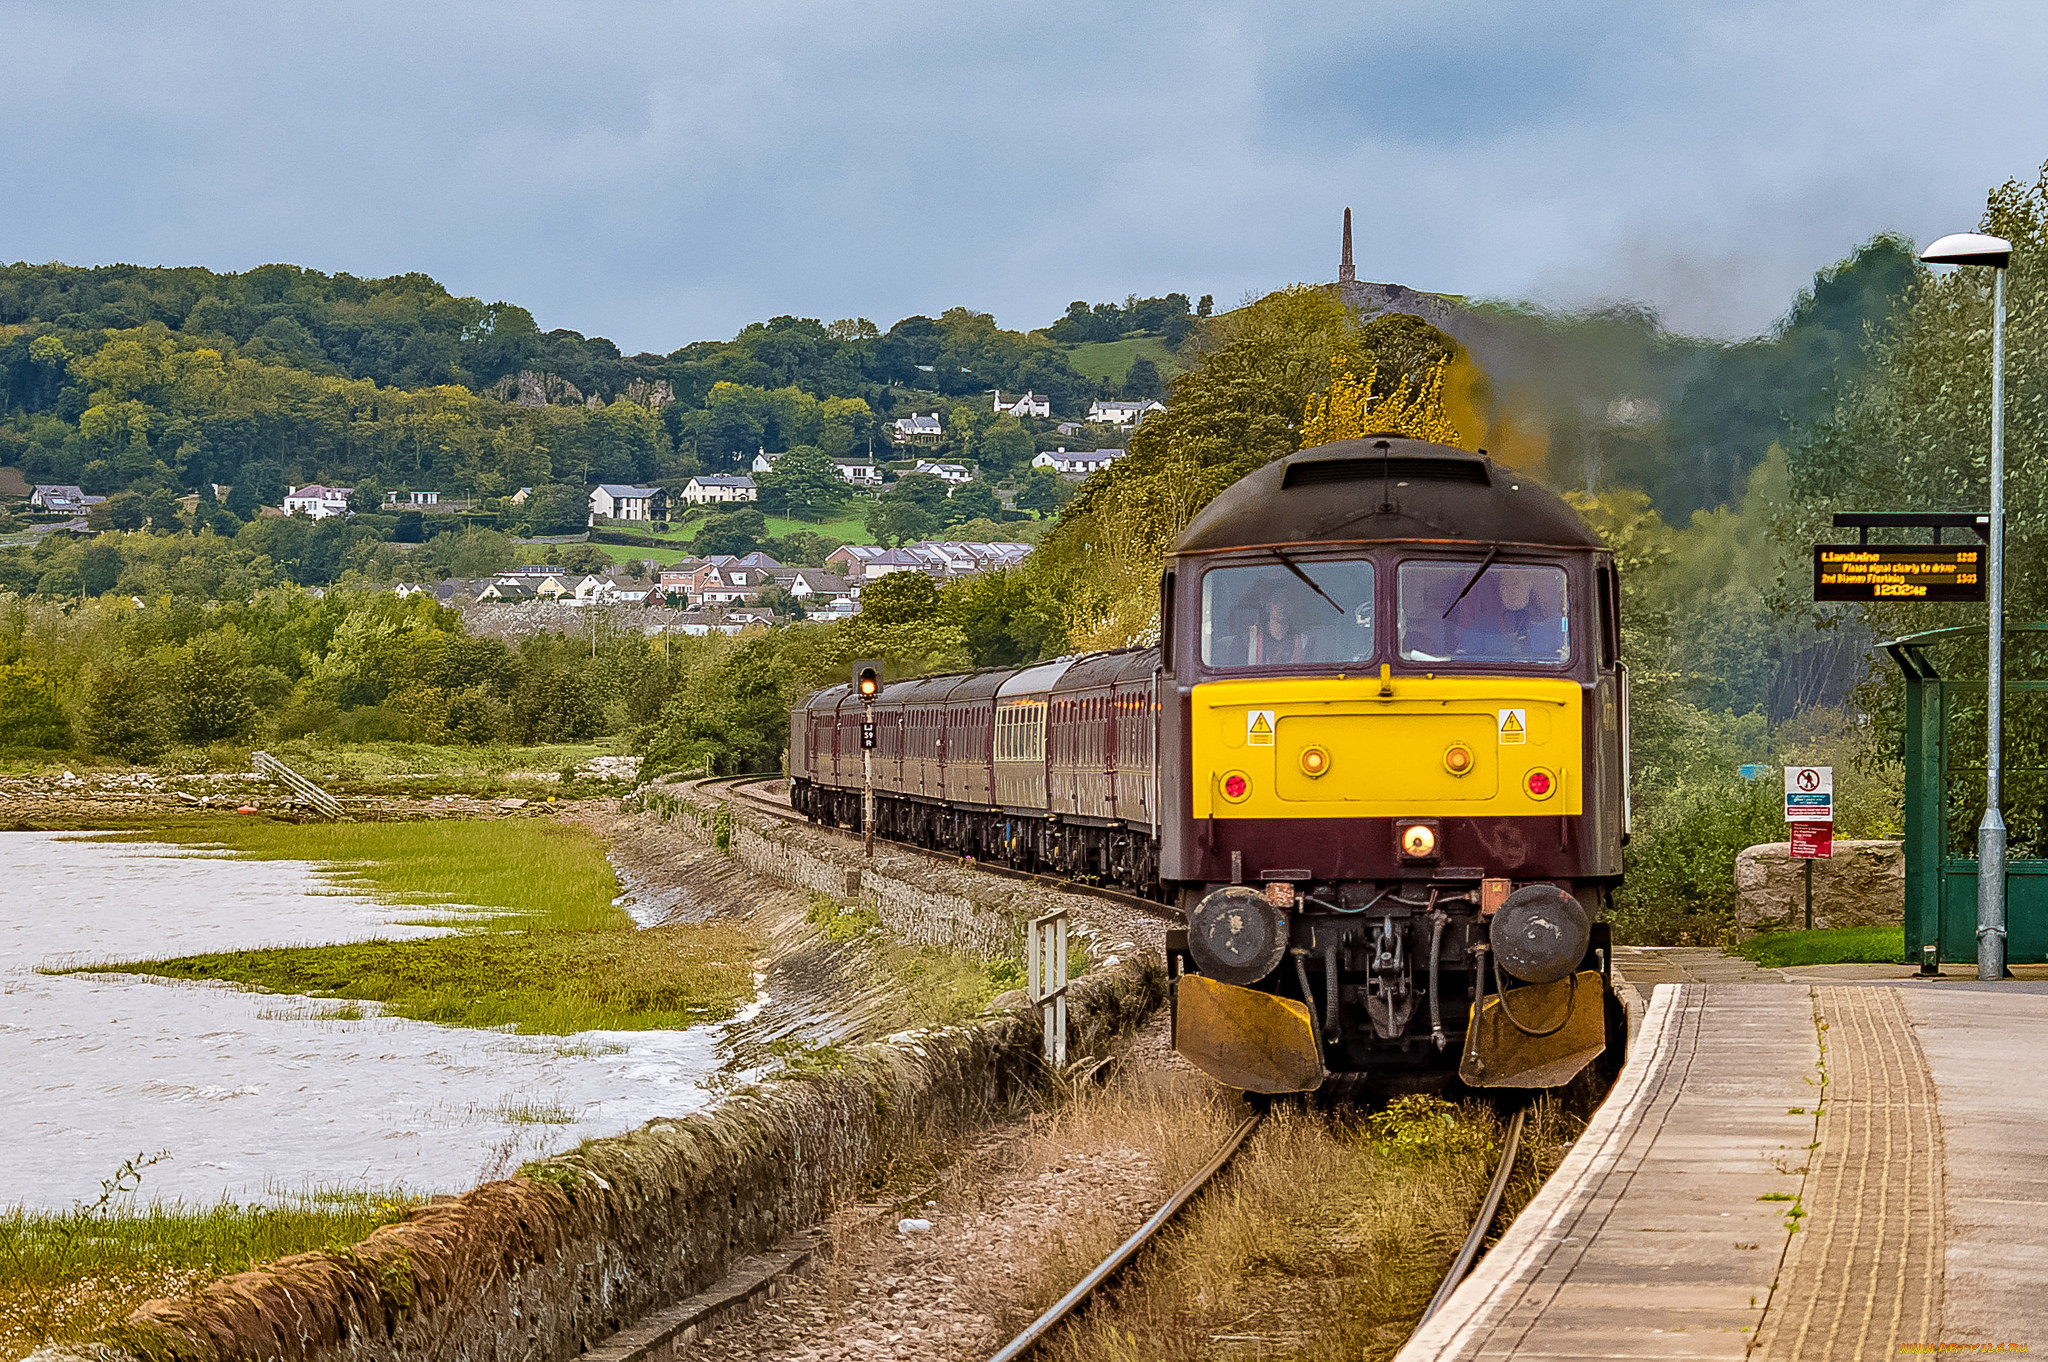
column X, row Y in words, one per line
column 917, row 428
column 865, row 562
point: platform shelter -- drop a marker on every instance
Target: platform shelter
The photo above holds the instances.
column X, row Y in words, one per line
column 1944, row 673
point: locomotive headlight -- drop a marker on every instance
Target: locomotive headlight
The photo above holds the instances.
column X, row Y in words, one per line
column 1418, row 841
column 1314, row 762
column 1539, row 783
column 1458, row 759
column 1237, row 786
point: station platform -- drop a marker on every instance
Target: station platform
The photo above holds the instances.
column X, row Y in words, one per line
column 1831, row 1162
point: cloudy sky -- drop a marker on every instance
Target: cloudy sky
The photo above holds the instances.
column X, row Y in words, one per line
column 667, row 172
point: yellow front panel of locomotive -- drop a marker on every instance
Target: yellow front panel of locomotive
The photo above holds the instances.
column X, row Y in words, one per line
column 1323, row 747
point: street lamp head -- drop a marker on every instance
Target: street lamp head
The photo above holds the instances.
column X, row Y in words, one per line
column 1969, row 248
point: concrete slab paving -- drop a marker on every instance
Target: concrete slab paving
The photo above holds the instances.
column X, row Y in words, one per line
column 1987, row 1045
column 1653, row 1239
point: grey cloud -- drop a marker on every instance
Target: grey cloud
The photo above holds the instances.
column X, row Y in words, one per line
column 666, row 172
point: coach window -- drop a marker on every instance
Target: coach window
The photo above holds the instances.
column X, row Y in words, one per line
column 1483, row 611
column 1294, row 612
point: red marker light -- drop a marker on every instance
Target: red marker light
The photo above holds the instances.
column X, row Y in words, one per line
column 1236, row 786
column 1539, row 784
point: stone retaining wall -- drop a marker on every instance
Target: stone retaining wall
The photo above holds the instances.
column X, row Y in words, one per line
column 542, row 1266
column 1862, row 885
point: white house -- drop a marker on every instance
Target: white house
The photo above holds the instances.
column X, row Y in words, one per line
column 1030, row 404
column 952, row 473
column 706, row 489
column 917, row 428
column 764, row 462
column 61, row 497
column 1082, row 461
column 1122, row 413
column 859, row 472
column 412, row 498
column 624, row 501
column 317, row 502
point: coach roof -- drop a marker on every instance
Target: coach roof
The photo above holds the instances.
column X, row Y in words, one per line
column 1384, row 487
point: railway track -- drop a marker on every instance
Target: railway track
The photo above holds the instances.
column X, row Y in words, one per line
column 775, row 809
column 1461, row 1266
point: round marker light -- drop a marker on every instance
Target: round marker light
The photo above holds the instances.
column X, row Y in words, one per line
column 1458, row 760
column 1236, row 786
column 1418, row 840
column 1539, row 783
column 1314, row 762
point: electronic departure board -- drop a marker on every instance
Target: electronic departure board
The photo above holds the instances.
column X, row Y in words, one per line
column 1898, row 572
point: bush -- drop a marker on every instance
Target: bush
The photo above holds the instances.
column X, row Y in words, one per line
column 30, row 713
column 124, row 711
column 1680, row 889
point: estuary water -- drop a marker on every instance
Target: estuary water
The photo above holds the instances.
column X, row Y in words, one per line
column 254, row 1095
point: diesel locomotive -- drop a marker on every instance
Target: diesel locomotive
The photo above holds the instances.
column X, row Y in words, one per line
column 1378, row 761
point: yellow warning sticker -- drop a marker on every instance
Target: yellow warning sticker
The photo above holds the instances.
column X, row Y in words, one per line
column 1514, row 727
column 1258, row 728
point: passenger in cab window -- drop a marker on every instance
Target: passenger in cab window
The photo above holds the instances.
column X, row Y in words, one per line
column 1306, row 612
column 1483, row 612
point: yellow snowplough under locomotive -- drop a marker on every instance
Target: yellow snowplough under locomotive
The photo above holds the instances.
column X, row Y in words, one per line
column 1378, row 762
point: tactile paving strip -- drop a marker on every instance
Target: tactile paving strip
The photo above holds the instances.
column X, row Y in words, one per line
column 1862, row 1277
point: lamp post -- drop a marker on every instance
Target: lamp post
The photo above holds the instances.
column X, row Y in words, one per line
column 1974, row 248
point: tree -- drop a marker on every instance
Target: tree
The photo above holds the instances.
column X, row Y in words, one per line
column 126, row 511
column 1004, row 446
column 557, row 704
column 899, row 598
column 367, row 497
column 971, row 501
column 30, row 713
column 1142, row 381
column 124, row 711
column 804, row 485
column 1044, row 491
column 99, row 566
column 410, row 529
column 558, row 508
column 737, row 530
column 1206, row 306
column 896, row 522
column 926, row 490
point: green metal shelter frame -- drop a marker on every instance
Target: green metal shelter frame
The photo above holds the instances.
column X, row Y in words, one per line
column 1945, row 747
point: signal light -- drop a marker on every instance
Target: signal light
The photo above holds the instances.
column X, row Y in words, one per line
column 1236, row 786
column 1539, row 783
column 1314, row 762
column 867, row 678
column 1458, row 760
column 1418, row 841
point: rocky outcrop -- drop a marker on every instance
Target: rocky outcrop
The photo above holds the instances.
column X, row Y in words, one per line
column 1862, row 885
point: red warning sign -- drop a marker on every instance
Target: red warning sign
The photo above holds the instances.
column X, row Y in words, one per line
column 1813, row 841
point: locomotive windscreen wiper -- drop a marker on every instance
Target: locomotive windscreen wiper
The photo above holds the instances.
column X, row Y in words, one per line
column 1309, row 581
column 1473, row 580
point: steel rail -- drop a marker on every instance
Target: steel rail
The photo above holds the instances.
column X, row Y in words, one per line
column 1037, row 1330
column 1118, row 896
column 1489, row 1210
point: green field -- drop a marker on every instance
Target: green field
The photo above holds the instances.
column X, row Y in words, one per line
column 541, row 946
column 1111, row 360
column 849, row 527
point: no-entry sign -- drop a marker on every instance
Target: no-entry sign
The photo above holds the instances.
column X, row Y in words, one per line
column 1809, row 794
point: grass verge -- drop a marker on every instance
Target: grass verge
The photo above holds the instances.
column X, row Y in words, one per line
column 72, row 1276
column 1828, row 946
column 1324, row 1239
column 541, row 946
column 934, row 987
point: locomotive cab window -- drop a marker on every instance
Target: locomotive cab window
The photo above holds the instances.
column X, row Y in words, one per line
column 1288, row 613
column 1483, row 611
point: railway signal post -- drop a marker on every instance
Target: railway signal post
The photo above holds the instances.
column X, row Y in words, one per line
column 867, row 683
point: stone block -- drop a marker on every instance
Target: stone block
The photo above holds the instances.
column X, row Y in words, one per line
column 1862, row 885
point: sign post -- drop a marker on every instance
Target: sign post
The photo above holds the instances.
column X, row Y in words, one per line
column 1810, row 819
